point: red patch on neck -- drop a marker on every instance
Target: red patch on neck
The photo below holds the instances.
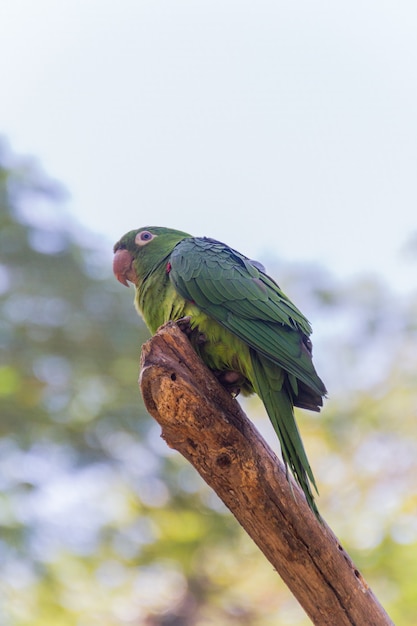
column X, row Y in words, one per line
column 168, row 267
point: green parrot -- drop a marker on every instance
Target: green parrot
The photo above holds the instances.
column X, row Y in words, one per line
column 240, row 322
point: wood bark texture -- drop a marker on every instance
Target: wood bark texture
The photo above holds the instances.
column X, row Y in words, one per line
column 201, row 420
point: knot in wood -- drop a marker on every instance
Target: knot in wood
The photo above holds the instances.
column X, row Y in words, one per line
column 223, row 460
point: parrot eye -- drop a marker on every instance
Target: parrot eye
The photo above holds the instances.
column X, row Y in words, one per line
column 143, row 237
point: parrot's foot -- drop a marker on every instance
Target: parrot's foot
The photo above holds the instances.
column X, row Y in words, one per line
column 231, row 381
column 184, row 324
column 193, row 334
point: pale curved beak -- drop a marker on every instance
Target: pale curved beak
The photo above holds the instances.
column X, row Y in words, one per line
column 123, row 267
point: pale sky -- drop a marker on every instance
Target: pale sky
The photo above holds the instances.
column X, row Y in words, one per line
column 285, row 128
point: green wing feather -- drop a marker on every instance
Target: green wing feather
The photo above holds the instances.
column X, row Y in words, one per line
column 231, row 289
column 235, row 291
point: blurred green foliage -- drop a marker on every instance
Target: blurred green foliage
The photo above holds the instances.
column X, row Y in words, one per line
column 100, row 522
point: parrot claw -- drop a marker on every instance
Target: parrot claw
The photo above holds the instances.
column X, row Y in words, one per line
column 184, row 324
column 193, row 334
column 230, row 380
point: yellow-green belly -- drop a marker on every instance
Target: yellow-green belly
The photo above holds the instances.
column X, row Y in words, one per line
column 220, row 350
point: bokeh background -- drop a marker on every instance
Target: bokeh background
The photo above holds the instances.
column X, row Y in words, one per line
column 287, row 130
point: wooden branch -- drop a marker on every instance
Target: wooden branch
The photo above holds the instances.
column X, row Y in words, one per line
column 207, row 426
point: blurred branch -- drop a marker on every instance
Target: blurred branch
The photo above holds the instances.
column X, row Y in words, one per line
column 207, row 426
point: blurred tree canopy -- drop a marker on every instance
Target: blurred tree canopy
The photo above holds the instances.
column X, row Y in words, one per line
column 100, row 522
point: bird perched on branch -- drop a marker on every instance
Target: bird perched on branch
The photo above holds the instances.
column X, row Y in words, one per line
column 240, row 322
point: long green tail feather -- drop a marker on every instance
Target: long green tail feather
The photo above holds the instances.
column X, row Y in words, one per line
column 269, row 384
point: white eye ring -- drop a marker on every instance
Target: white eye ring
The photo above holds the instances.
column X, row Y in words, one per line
column 143, row 238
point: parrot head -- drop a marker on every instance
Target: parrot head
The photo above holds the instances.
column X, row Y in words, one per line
column 140, row 251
